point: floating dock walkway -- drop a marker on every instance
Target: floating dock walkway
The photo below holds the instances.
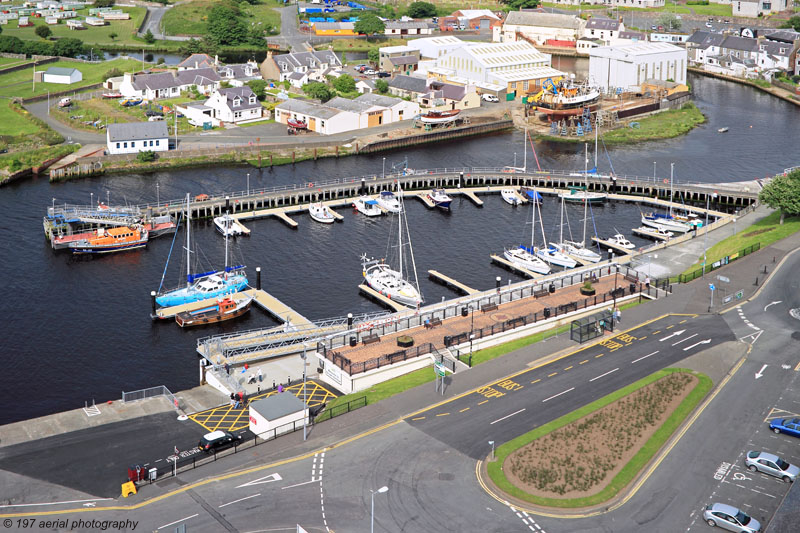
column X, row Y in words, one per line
column 450, row 282
column 610, row 245
column 381, row 299
column 502, row 261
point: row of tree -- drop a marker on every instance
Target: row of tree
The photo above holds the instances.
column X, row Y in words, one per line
column 65, row 47
column 344, row 85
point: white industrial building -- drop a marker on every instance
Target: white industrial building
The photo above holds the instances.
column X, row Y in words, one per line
column 133, row 137
column 433, row 47
column 628, row 66
column 277, row 414
column 62, row 75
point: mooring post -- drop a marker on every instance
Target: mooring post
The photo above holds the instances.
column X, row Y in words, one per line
column 315, row 153
column 293, row 154
column 270, row 159
column 227, row 204
column 258, row 278
column 337, row 150
column 153, row 300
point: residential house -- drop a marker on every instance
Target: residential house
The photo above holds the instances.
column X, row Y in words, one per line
column 607, row 30
column 195, row 61
column 442, row 96
column 757, row 8
column 407, row 86
column 205, row 79
column 642, row 4
column 702, row 43
column 585, row 44
column 539, row 28
column 628, row 66
column 517, row 66
column 284, row 66
column 66, row 76
column 403, row 59
column 365, row 86
column 133, row 137
column 476, row 19
column 169, row 84
column 239, row 74
column 236, row 105
column 776, row 56
column 408, row 28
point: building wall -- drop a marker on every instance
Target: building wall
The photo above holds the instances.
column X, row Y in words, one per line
column 745, row 9
column 335, row 32
column 132, row 147
column 66, row 80
column 636, row 3
column 540, row 34
column 634, row 70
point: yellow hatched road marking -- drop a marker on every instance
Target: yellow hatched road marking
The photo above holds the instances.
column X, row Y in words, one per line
column 682, row 321
column 551, row 375
column 584, row 361
column 642, row 338
column 670, row 327
column 568, row 368
column 797, row 368
column 535, row 381
column 464, row 409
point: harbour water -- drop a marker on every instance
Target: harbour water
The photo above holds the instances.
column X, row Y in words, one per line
column 77, row 329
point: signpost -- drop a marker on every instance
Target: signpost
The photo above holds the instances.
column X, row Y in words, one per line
column 723, row 279
column 440, row 370
column 713, row 288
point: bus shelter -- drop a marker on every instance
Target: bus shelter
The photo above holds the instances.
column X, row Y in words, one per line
column 592, row 326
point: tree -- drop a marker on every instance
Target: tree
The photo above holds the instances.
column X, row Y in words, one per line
column 344, row 83
column 369, row 24
column 192, row 46
column 259, row 88
column 373, row 55
column 783, row 193
column 112, row 35
column 669, row 21
column 793, row 22
column 421, row 10
column 68, row 47
column 146, row 156
column 516, row 5
column 148, row 37
column 104, row 3
column 318, row 90
column 382, row 86
column 226, row 25
column 43, row 31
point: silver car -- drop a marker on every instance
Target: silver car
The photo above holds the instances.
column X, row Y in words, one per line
column 772, row 465
column 730, row 518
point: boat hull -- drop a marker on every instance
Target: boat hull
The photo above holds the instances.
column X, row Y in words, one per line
column 391, row 284
column 187, row 295
column 211, row 316
column 522, row 258
column 555, row 258
column 666, row 224
column 510, row 197
column 79, row 248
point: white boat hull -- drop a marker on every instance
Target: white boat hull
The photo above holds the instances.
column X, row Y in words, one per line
column 522, row 258
column 666, row 224
column 580, row 252
column 391, row 284
column 367, row 209
column 582, row 196
column 554, row 257
column 510, row 197
column 321, row 214
column 389, row 203
column 227, row 226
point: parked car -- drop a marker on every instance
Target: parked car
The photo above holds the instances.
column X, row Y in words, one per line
column 790, row 426
column 730, row 518
column 152, row 113
column 708, row 25
column 772, row 465
column 489, row 98
column 369, row 71
column 653, row 27
column 156, row 118
column 382, row 74
column 218, row 439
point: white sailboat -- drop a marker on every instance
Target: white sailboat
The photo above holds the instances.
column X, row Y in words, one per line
column 666, row 221
column 526, row 257
column 392, row 282
column 578, row 249
column 321, row 213
column 367, row 206
column 552, row 254
column 580, row 194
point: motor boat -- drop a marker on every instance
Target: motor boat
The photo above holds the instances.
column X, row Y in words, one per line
column 440, row 117
column 523, row 258
column 228, row 226
column 659, row 233
column 552, row 255
column 103, row 241
column 665, row 222
column 440, row 198
column 321, row 213
column 367, row 206
column 388, row 201
column 620, row 241
column 224, row 309
column 510, row 196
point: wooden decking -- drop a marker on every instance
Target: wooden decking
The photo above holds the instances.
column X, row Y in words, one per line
column 381, row 299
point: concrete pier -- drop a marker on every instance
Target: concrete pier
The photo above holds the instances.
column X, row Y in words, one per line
column 381, row 299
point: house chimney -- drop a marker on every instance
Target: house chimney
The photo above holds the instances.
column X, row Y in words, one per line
column 127, row 77
column 216, row 60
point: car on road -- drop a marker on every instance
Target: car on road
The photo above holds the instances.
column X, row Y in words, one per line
column 216, row 440
column 382, row 74
column 654, row 27
column 790, row 426
column 369, row 71
column 730, row 518
column 708, row 25
column 489, row 98
column 772, row 465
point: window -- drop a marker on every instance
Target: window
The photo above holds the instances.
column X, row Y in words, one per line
column 117, row 145
column 525, row 85
column 125, row 145
column 133, row 144
column 156, row 142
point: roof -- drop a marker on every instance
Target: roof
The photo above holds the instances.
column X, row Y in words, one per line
column 369, row 83
column 476, row 13
column 297, row 75
column 334, row 26
column 522, row 74
column 278, row 405
column 698, row 37
column 158, row 80
column 632, row 35
column 396, row 49
column 244, row 93
column 61, row 71
column 307, row 59
column 133, row 131
column 197, row 61
column 378, row 100
column 776, row 49
column 788, row 36
column 545, row 20
column 602, row 24
column 305, row 107
column 448, row 90
column 199, row 76
column 746, row 44
column 444, row 40
column 404, row 60
column 344, row 104
column 634, row 49
column 400, row 25
column 409, row 83
column 499, row 55
column 238, row 71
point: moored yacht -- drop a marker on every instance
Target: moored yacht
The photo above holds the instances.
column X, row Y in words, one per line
column 321, row 213
column 367, row 206
column 439, row 198
column 388, row 200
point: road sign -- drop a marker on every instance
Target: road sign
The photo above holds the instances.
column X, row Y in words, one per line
column 439, row 369
column 723, row 279
column 740, row 295
column 712, row 287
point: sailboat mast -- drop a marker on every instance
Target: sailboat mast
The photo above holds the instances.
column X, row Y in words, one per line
column 227, row 226
column 585, row 158
column 541, row 225
column 561, row 225
column 585, row 215
column 533, row 219
column 671, row 190
column 400, row 235
column 596, row 126
column 525, row 151
column 188, row 246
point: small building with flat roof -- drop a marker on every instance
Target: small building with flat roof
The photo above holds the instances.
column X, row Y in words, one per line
column 277, row 414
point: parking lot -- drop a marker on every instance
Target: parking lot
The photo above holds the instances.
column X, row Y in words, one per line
column 755, row 493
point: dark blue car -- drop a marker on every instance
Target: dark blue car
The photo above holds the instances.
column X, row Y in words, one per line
column 790, row 426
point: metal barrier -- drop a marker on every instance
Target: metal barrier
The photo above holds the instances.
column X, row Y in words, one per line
column 152, row 392
column 685, row 278
column 338, row 410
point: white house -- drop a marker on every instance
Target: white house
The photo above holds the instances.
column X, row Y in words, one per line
column 642, row 4
column 433, row 47
column 628, row 66
column 277, row 414
column 756, row 8
column 198, row 114
column 169, row 84
column 607, row 30
column 365, row 86
column 235, row 104
column 281, row 67
column 62, row 75
column 133, row 137
column 539, row 28
column 240, row 73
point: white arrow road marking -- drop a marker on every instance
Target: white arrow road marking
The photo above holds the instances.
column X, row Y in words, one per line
column 761, row 372
column 507, row 416
column 675, row 334
column 559, row 394
column 644, row 357
column 686, row 339
column 697, row 344
column 239, row 500
column 603, row 375
column 266, row 479
column 773, row 303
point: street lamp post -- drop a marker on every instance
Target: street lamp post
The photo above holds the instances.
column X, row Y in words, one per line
column 654, row 171
column 305, row 406
column 705, row 234
column 158, row 195
column 372, row 514
column 383, row 172
column 248, row 184
column 491, row 443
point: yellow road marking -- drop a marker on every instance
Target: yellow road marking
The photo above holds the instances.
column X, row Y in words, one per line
column 598, row 355
column 551, row 375
column 223, row 418
column 656, row 332
column 584, row 361
column 443, row 414
column 464, row 409
column 483, row 402
column 797, row 368
column 536, row 381
column 568, row 368
column 419, row 418
column 670, row 327
column 682, row 321
column 642, row 338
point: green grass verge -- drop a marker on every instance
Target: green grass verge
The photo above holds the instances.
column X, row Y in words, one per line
column 629, row 471
column 92, row 35
column 766, row 231
column 19, row 83
column 12, row 124
column 12, row 61
column 681, row 9
column 17, row 161
column 581, row 7
column 663, row 125
column 191, row 18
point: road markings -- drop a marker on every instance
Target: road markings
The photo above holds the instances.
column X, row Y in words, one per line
column 239, row 500
column 464, row 409
column 686, row 339
column 313, row 480
column 538, row 380
column 568, row 368
column 598, row 355
column 797, row 368
column 761, row 372
column 443, row 414
column 418, row 418
column 670, row 326
column 507, row 416
column 483, row 402
column 674, row 334
column 559, row 394
column 657, row 332
column 683, row 321
column 707, row 341
column 753, row 336
column 53, row 503
column 586, row 361
column 603, row 375
column 266, row 479
column 551, row 375
column 533, row 526
column 178, row 521
column 773, row 303
column 644, row 357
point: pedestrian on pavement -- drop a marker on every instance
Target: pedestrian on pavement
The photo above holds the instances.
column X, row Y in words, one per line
column 618, row 316
column 227, row 368
column 280, row 388
column 647, row 282
column 260, row 376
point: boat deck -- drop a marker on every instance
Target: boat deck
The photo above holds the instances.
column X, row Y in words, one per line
column 649, row 235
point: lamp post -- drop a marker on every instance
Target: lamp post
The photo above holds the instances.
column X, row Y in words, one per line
column 491, row 443
column 372, row 514
column 305, row 406
column 158, row 195
column 248, row 184
column 705, row 233
column 654, row 171
column 383, row 171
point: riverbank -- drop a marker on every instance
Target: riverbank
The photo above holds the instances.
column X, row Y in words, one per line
column 663, row 125
column 783, row 94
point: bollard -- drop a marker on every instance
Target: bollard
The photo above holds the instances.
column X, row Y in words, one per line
column 258, row 278
column 289, row 380
column 773, row 258
column 273, row 384
column 765, row 269
column 756, row 283
column 227, row 203
column 153, row 301
column 349, row 320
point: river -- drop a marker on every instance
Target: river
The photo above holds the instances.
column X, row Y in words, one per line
column 77, row 329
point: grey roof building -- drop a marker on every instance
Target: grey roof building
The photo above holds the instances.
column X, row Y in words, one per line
column 243, row 94
column 602, row 24
column 409, row 84
column 344, row 104
column 278, row 405
column 197, row 61
column 544, row 20
column 377, row 99
column 200, row 76
column 60, row 71
column 307, row 108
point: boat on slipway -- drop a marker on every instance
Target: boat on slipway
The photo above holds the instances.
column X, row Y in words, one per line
column 367, row 206
column 107, row 240
column 440, row 199
column 224, row 309
column 440, row 117
column 321, row 213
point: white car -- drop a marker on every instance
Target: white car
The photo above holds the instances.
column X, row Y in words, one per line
column 772, row 465
column 369, row 72
column 708, row 25
column 489, row 98
column 730, row 518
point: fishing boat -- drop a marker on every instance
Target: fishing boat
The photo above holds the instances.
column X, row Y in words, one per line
column 228, row 226
column 390, row 280
column 722, row 130
column 439, row 198
column 439, row 117
column 112, row 95
column 565, row 95
column 388, row 201
column 620, row 241
column 204, row 285
column 321, row 213
column 658, row 233
column 367, row 206
column 510, row 196
column 107, row 240
column 224, row 309
column 526, row 257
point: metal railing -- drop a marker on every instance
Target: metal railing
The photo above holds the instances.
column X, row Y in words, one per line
column 685, row 278
column 152, row 392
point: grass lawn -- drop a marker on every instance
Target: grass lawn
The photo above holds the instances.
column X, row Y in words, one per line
column 360, row 45
column 629, row 471
column 19, row 84
column 125, row 29
column 12, row 124
column 11, row 61
column 766, row 231
column 569, row 7
column 719, row 10
column 17, row 161
column 191, row 18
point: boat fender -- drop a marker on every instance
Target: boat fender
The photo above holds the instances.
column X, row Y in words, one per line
column 310, row 185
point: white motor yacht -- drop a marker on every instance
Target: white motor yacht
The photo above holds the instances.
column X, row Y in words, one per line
column 510, row 196
column 440, row 198
column 620, row 240
column 367, row 206
column 228, row 226
column 388, row 200
column 321, row 213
